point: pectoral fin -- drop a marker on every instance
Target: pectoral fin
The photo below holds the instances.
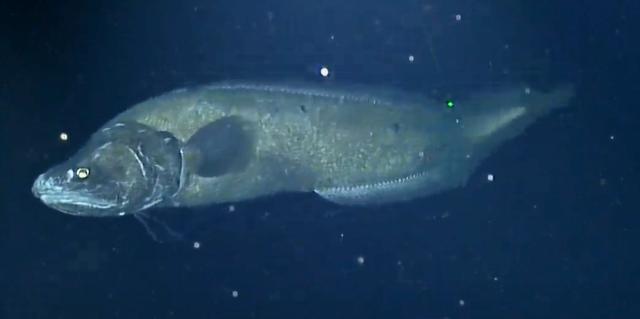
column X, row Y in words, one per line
column 221, row 147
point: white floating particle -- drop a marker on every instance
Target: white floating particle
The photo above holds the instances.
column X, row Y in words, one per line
column 461, row 302
column 527, row 90
column 231, row 208
column 611, row 137
column 332, row 37
column 324, row 71
column 458, row 17
column 411, row 58
column 196, row 244
column 490, row 177
column 64, row 136
column 495, row 278
column 121, row 213
column 360, row 260
column 234, row 294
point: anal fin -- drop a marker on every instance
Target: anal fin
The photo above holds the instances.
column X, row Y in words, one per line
column 391, row 190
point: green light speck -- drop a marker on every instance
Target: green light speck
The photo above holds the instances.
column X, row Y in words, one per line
column 450, row 104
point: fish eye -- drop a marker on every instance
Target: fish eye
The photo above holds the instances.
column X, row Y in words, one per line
column 82, row 172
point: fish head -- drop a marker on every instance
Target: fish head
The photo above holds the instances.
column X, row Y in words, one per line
column 123, row 169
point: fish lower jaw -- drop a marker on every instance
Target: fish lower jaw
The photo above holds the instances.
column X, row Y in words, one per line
column 75, row 205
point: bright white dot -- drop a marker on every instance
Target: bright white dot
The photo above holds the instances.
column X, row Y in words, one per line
column 234, row 294
column 332, row 37
column 121, row 214
column 457, row 121
column 612, row 137
column 461, row 302
column 324, row 71
column 231, row 208
column 411, row 58
column 527, row 91
column 64, row 136
column 360, row 260
column 490, row 177
column 458, row 17
column 495, row 278
column 196, row 244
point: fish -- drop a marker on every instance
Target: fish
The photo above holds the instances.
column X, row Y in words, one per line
column 230, row 142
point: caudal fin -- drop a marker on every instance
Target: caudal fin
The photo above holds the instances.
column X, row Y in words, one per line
column 494, row 117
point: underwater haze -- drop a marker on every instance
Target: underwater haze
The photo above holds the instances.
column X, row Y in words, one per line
column 545, row 225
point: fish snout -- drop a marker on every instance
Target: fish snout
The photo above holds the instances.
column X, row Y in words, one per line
column 38, row 186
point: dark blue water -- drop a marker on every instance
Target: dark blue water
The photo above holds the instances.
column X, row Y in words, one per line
column 554, row 236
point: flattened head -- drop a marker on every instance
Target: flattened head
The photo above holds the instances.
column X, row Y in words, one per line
column 123, row 169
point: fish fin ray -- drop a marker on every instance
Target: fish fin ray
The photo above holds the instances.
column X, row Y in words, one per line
column 381, row 192
column 159, row 230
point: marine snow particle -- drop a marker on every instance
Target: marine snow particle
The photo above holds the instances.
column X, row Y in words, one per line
column 64, row 136
column 324, row 71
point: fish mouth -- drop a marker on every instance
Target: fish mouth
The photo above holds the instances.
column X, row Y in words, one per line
column 73, row 202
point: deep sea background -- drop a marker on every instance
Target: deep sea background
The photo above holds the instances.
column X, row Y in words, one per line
column 555, row 235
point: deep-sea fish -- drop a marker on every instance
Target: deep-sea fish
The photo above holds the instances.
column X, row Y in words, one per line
column 231, row 141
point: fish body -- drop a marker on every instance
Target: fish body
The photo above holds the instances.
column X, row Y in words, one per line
column 229, row 142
